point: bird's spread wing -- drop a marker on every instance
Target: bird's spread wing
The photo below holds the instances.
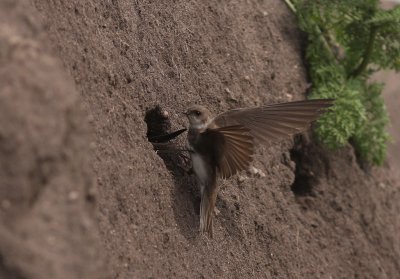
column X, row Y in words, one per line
column 233, row 149
column 274, row 122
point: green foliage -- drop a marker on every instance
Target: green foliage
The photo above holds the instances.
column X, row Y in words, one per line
column 373, row 128
column 346, row 118
column 349, row 40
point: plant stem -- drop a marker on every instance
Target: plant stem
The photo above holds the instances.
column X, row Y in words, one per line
column 291, row 6
column 367, row 54
column 318, row 31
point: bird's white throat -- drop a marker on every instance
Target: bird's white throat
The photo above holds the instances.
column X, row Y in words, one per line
column 199, row 168
column 201, row 126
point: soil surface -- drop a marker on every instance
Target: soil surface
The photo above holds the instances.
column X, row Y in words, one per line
column 83, row 194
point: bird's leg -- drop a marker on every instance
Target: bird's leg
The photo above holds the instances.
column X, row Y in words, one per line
column 166, row 147
column 172, row 150
column 187, row 162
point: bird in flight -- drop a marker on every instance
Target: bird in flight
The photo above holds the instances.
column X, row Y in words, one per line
column 223, row 145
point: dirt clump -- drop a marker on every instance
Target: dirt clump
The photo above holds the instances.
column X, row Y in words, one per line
column 48, row 227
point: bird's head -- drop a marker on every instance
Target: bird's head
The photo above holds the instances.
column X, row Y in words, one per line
column 199, row 117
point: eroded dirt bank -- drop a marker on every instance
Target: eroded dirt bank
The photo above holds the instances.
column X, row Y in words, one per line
column 107, row 206
column 48, row 227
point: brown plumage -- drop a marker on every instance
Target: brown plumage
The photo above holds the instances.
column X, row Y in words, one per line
column 224, row 145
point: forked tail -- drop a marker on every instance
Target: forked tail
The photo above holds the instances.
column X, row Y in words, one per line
column 208, row 199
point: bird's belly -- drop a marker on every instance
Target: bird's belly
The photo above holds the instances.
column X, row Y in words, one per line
column 199, row 168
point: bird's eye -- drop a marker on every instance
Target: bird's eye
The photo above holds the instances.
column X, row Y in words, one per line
column 197, row 112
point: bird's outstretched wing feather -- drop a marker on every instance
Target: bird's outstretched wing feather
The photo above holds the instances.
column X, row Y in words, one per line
column 233, row 148
column 233, row 133
column 274, row 122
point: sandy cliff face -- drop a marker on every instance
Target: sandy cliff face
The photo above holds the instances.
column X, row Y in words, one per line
column 95, row 201
column 48, row 227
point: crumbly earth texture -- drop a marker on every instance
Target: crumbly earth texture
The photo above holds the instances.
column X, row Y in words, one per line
column 83, row 194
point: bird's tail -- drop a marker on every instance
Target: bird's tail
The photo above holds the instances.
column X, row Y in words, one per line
column 208, row 199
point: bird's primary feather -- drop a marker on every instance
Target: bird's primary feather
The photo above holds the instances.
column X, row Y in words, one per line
column 274, row 122
column 230, row 148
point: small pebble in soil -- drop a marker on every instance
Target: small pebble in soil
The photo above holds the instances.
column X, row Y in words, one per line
column 165, row 113
column 241, row 178
column 255, row 171
column 231, row 97
column 73, row 195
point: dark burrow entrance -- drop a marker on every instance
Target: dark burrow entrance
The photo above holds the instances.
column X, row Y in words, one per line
column 305, row 172
column 302, row 185
column 160, row 136
column 158, row 126
column 158, row 123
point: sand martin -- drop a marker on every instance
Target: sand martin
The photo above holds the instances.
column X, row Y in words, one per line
column 223, row 145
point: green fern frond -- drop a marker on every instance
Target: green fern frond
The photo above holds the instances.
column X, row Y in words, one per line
column 347, row 42
column 383, row 17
